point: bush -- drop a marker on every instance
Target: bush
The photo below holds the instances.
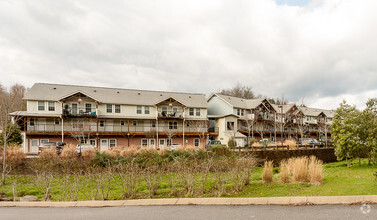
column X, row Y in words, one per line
column 221, row 150
column 48, row 153
column 115, row 152
column 232, row 143
column 88, row 153
column 129, row 152
column 69, row 152
column 267, row 175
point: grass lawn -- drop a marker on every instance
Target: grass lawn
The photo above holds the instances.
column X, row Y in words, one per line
column 338, row 180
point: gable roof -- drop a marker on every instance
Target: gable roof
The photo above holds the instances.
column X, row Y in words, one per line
column 54, row 92
column 285, row 108
column 311, row 111
column 240, row 102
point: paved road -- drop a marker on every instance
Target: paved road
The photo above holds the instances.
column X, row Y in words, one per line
column 193, row 212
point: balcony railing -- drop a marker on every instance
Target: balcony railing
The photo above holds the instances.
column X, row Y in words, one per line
column 80, row 111
column 117, row 128
column 170, row 114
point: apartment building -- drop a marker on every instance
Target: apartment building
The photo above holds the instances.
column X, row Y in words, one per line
column 109, row 117
column 240, row 119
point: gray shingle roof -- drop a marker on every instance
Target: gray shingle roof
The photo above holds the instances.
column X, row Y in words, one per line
column 315, row 111
column 54, row 92
column 240, row 102
column 285, row 108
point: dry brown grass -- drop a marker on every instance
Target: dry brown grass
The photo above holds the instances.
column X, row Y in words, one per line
column 300, row 169
column 69, row 152
column 284, row 171
column 88, row 153
column 48, row 153
column 115, row 151
column 129, row 152
column 257, row 144
column 190, row 148
column 315, row 170
column 291, row 143
column 267, row 175
column 15, row 154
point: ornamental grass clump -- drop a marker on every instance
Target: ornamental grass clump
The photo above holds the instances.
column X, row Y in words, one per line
column 69, row 152
column 284, row 171
column 267, row 175
column 300, row 169
column 315, row 170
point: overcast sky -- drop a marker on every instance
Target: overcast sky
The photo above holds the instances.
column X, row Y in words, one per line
column 321, row 51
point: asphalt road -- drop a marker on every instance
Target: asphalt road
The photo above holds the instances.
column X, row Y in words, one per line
column 194, row 212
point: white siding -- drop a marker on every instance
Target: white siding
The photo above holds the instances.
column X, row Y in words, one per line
column 217, row 106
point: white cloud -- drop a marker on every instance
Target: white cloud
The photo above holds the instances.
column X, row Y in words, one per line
column 323, row 52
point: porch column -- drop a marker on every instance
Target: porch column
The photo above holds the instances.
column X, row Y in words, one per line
column 62, row 129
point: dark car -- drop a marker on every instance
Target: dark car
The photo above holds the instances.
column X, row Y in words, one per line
column 212, row 143
column 310, row 141
column 57, row 144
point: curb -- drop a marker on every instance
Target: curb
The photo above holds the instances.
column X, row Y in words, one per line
column 302, row 200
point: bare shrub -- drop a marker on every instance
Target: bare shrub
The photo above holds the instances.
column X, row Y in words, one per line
column 300, row 169
column 291, row 144
column 267, row 175
column 48, row 153
column 284, row 171
column 129, row 152
column 15, row 154
column 315, row 170
column 69, row 152
column 115, row 152
column 88, row 153
column 190, row 148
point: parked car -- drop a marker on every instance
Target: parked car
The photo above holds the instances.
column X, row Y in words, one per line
column 174, row 146
column 310, row 141
column 57, row 144
column 213, row 143
column 81, row 147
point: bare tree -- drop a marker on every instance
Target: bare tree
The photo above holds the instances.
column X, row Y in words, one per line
column 248, row 123
column 201, row 127
column 240, row 91
column 10, row 101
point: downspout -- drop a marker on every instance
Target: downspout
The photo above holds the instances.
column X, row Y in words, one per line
column 183, row 126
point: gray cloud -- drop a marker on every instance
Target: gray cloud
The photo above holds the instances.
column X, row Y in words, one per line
column 323, row 52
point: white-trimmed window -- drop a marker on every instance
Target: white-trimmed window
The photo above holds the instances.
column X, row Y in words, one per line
column 109, row 108
column 191, row 111
column 41, row 106
column 144, row 142
column 175, row 110
column 56, row 121
column 230, row 125
column 152, row 142
column 153, row 124
column 242, row 112
column 196, row 142
column 134, row 123
column 51, row 106
column 93, row 142
column 117, row 108
column 31, row 122
column 198, row 112
column 102, row 123
column 88, row 107
column 113, row 143
column 173, row 125
column 139, row 110
column 43, row 141
column 146, row 110
column 122, row 123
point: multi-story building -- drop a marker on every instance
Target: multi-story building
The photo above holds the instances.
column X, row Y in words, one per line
column 108, row 117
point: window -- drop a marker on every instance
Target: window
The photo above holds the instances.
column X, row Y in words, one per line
column 144, row 142
column 51, row 106
column 122, row 123
column 113, row 143
column 146, row 110
column 134, row 123
column 187, row 124
column 102, row 123
column 41, row 106
column 31, row 122
column 35, row 142
column 191, row 111
column 153, row 124
column 238, row 111
column 138, row 110
column 168, row 142
column 83, row 141
column 56, row 121
column 242, row 112
column 117, row 108
column 152, row 142
column 92, row 142
column 196, row 142
column 43, row 141
column 173, row 125
column 88, row 107
column 109, row 108
column 175, row 110
column 230, row 125
column 164, row 110
column 198, row 112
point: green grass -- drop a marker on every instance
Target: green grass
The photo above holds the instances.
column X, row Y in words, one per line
column 338, row 181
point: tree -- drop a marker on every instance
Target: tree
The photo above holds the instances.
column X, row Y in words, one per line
column 10, row 101
column 240, row 91
column 248, row 123
column 201, row 127
column 15, row 136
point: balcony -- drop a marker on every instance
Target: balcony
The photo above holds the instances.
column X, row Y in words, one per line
column 80, row 112
column 170, row 114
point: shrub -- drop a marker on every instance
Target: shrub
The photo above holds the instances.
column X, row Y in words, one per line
column 252, row 141
column 284, row 172
column 69, row 152
column 129, row 152
column 190, row 148
column 115, row 152
column 232, row 143
column 221, row 150
column 48, row 153
column 267, row 175
column 291, row 143
column 300, row 169
column 15, row 154
column 88, row 153
column 315, row 170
